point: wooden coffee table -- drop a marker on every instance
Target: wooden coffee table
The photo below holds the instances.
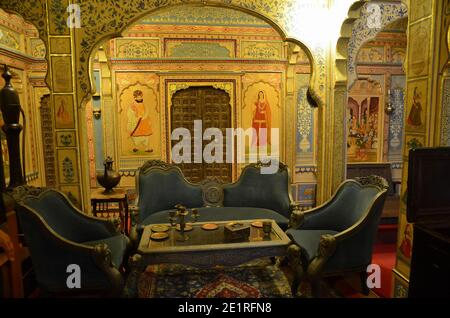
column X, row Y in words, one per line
column 205, row 249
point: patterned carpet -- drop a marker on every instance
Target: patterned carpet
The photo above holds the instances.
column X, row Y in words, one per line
column 255, row 279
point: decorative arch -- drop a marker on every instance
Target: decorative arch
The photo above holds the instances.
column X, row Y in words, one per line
column 362, row 32
column 35, row 13
column 111, row 22
column 352, row 36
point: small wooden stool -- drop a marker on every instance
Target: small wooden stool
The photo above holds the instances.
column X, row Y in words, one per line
column 101, row 200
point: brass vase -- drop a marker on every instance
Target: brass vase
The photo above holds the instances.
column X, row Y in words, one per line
column 108, row 178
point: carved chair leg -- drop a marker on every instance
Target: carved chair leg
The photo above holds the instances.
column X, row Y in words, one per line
column 294, row 259
column 364, row 288
column 136, row 267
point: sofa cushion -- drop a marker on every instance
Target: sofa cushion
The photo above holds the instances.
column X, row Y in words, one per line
column 163, row 189
column 308, row 240
column 117, row 244
column 215, row 214
column 254, row 189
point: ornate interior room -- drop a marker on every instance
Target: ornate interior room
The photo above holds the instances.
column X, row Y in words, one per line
column 97, row 175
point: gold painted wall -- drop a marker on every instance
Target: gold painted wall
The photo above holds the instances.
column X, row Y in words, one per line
column 248, row 60
column 23, row 51
column 292, row 18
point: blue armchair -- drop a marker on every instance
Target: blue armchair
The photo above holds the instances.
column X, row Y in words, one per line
column 338, row 236
column 58, row 234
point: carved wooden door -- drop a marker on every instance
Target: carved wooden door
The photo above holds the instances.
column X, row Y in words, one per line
column 212, row 106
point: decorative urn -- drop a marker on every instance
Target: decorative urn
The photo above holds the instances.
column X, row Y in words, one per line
column 108, row 178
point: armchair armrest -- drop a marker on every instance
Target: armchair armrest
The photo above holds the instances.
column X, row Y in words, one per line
column 297, row 216
column 315, row 218
column 136, row 229
column 326, row 248
column 109, row 226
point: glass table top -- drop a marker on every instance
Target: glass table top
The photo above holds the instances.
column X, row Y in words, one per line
column 201, row 237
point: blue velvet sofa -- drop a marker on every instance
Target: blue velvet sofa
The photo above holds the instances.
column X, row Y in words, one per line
column 160, row 186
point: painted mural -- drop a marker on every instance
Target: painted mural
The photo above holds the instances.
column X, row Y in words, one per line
column 305, row 123
column 363, row 121
column 416, row 106
column 419, row 49
column 64, row 112
column 138, row 119
column 261, row 112
column 404, row 243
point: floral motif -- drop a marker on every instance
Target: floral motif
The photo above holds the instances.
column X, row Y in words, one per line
column 65, row 140
column 8, row 39
column 445, row 121
column 262, row 51
column 68, row 171
column 195, row 49
column 362, row 33
column 396, row 120
column 31, row 11
column 137, row 49
column 58, row 11
column 414, row 143
column 304, row 120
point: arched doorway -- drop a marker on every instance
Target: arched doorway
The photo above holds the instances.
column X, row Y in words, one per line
column 212, row 107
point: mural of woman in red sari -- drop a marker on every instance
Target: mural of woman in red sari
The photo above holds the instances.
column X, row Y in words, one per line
column 406, row 245
column 261, row 121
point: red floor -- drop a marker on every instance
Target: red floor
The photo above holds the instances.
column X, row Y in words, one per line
column 384, row 255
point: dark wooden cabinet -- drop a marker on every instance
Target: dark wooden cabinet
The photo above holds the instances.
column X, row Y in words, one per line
column 430, row 262
column 428, row 207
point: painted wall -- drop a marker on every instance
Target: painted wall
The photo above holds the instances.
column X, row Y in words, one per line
column 377, row 137
column 23, row 51
column 425, row 105
column 153, row 57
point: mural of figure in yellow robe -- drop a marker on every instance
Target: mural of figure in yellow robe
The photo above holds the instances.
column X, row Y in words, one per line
column 139, row 125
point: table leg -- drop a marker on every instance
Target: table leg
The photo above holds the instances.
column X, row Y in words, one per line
column 127, row 226
column 122, row 217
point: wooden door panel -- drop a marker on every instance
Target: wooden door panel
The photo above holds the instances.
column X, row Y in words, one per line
column 212, row 106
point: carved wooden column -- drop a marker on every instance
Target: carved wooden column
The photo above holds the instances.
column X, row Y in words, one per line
column 10, row 107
